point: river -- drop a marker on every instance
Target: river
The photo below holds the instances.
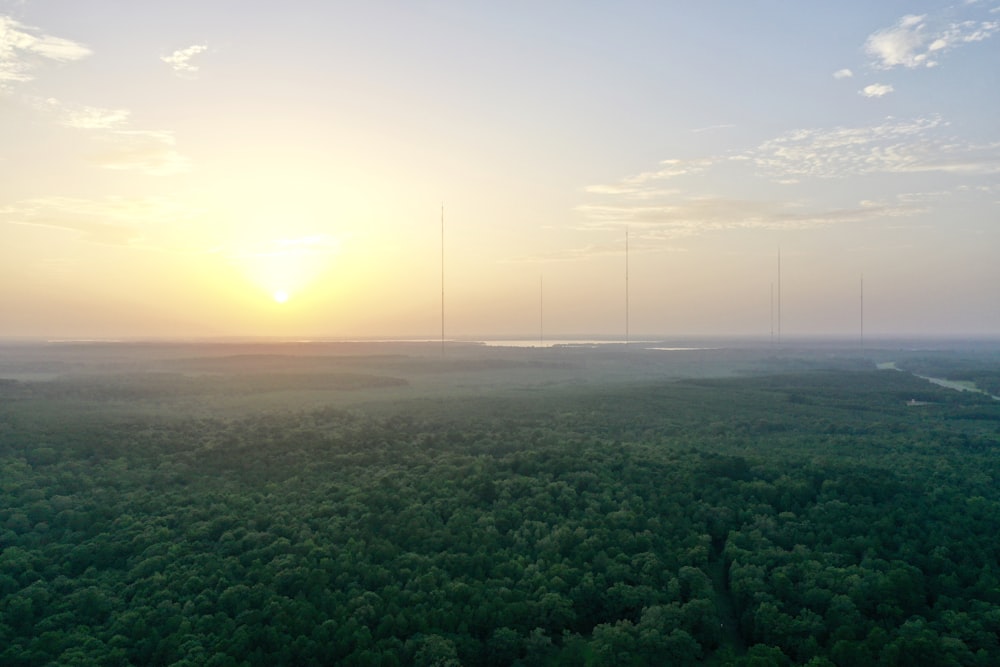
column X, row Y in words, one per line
column 957, row 385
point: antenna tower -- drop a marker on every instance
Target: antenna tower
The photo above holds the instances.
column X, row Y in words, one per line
column 626, row 286
column 779, row 294
column 442, row 278
column 541, row 311
column 772, row 313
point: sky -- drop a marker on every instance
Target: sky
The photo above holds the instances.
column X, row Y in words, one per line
column 252, row 168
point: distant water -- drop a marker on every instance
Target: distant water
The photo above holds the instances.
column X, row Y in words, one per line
column 584, row 342
column 555, row 342
column 957, row 385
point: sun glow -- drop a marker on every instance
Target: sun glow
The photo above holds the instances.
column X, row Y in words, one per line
column 282, row 267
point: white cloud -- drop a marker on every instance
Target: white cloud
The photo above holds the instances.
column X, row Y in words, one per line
column 180, row 60
column 149, row 151
column 23, row 47
column 119, row 147
column 876, row 90
column 917, row 40
column 698, row 215
column 645, row 184
column 94, row 118
column 899, row 45
column 112, row 220
column 894, row 146
column 843, row 74
column 897, row 146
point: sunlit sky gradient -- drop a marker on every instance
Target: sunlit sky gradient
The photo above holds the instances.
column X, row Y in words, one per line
column 167, row 167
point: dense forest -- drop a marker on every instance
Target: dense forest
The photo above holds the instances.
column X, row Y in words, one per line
column 847, row 517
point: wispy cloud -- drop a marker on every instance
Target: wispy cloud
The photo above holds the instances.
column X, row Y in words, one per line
column 120, row 147
column 92, row 118
column 843, row 74
column 698, row 215
column 149, row 151
column 111, row 220
column 876, row 90
column 23, row 48
column 646, row 184
column 919, row 40
column 893, row 146
column 639, row 242
column 180, row 60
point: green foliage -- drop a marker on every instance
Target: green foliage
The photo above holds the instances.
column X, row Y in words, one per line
column 811, row 518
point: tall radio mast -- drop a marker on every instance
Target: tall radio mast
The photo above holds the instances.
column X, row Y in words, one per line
column 442, row 277
column 779, row 294
column 541, row 311
column 626, row 286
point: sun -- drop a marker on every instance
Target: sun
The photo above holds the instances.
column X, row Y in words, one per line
column 280, row 296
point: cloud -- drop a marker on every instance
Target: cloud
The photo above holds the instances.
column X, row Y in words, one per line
column 630, row 191
column 94, row 118
column 698, row 215
column 893, row 146
column 646, row 241
column 843, row 74
column 23, row 48
column 112, row 220
column 180, row 60
column 918, row 40
column 148, row 151
column 645, row 184
column 971, row 159
column 901, row 44
column 876, row 90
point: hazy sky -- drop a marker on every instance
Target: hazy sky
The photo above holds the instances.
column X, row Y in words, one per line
column 167, row 167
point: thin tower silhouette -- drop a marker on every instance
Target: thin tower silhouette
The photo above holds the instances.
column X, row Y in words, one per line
column 779, row 294
column 541, row 311
column 772, row 313
column 862, row 312
column 442, row 277
column 626, row 286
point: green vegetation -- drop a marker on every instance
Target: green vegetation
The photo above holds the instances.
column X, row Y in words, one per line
column 798, row 518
